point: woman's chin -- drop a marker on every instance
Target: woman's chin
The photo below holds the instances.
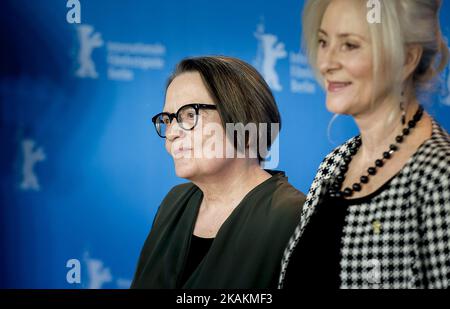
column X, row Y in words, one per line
column 184, row 170
column 336, row 106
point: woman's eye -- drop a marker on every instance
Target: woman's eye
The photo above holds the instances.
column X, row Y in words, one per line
column 322, row 43
column 350, row 46
column 191, row 115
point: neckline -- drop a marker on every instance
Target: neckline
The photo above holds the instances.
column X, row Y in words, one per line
column 205, row 239
column 435, row 130
column 275, row 176
column 368, row 197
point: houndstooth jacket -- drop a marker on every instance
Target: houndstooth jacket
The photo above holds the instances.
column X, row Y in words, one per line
column 411, row 248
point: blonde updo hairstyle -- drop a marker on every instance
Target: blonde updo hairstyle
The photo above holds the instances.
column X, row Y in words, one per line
column 403, row 23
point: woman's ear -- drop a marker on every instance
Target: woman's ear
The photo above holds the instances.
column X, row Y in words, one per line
column 413, row 56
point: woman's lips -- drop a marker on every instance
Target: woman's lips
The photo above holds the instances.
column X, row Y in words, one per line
column 180, row 152
column 337, row 86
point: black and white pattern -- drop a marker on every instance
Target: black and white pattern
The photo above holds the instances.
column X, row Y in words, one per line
column 410, row 248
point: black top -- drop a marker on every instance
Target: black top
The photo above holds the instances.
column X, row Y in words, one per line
column 315, row 262
column 197, row 251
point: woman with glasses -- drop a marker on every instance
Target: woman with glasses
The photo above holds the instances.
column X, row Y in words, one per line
column 227, row 227
column 378, row 212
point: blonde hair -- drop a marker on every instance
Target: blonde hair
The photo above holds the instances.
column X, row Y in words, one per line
column 403, row 23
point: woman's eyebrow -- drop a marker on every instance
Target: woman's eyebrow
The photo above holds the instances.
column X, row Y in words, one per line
column 343, row 35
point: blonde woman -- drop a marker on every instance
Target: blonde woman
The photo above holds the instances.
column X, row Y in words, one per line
column 378, row 212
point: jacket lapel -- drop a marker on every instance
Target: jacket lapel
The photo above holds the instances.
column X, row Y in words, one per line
column 322, row 182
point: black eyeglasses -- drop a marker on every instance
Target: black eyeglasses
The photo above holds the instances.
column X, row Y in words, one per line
column 186, row 116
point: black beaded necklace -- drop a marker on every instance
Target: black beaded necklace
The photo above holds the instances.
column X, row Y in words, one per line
column 336, row 188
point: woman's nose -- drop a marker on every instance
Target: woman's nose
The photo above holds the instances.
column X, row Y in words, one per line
column 173, row 130
column 328, row 61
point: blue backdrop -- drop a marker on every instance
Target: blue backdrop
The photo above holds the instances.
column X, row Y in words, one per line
column 82, row 170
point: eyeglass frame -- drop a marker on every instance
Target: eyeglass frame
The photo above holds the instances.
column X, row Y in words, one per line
column 197, row 107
